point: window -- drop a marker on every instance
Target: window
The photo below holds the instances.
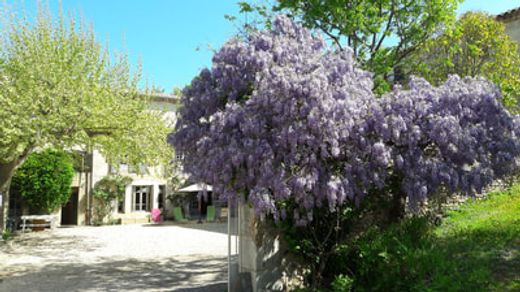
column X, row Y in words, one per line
column 178, row 161
column 141, row 196
column 123, row 168
column 141, row 168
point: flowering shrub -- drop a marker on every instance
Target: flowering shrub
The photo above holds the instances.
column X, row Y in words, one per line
column 294, row 126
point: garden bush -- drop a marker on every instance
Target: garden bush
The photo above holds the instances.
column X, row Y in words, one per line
column 293, row 126
column 44, row 180
column 109, row 190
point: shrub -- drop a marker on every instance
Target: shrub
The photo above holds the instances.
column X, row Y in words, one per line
column 342, row 283
column 387, row 259
column 108, row 190
column 7, row 235
column 280, row 118
column 294, row 127
column 44, row 180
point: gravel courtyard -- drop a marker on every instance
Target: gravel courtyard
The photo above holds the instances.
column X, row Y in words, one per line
column 187, row 257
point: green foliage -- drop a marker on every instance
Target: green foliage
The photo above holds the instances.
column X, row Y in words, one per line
column 44, row 180
column 317, row 242
column 7, row 235
column 59, row 86
column 382, row 33
column 477, row 248
column 108, row 190
column 379, row 259
column 477, row 45
column 342, row 283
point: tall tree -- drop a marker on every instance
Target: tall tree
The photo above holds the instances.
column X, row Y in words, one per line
column 477, row 46
column 381, row 33
column 59, row 86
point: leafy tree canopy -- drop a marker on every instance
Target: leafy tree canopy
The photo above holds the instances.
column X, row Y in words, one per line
column 477, row 46
column 111, row 188
column 59, row 86
column 382, row 33
column 44, row 180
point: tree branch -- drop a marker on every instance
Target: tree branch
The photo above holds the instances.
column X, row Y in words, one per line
column 334, row 38
column 387, row 28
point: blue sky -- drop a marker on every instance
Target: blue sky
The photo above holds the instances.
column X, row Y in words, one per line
column 174, row 39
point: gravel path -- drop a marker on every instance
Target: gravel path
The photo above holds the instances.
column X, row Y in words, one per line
column 188, row 257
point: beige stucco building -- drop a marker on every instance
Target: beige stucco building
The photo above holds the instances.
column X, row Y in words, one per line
column 511, row 20
column 147, row 190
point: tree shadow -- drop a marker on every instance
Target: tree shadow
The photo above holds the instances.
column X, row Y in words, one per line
column 219, row 287
column 45, row 246
column 193, row 273
column 495, row 250
column 217, row 227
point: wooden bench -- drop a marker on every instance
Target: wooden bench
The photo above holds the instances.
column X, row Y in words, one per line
column 49, row 220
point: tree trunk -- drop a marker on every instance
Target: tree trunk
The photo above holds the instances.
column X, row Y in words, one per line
column 7, row 171
column 396, row 204
column 397, row 207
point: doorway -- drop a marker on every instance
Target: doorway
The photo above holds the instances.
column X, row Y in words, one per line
column 69, row 212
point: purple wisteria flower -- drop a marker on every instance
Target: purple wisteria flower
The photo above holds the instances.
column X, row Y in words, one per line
column 281, row 117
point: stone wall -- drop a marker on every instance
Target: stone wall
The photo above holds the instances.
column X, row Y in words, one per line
column 264, row 262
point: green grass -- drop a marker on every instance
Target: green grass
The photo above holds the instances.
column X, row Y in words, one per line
column 476, row 248
column 482, row 239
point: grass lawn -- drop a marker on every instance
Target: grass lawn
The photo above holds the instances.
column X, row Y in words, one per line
column 482, row 239
column 476, row 248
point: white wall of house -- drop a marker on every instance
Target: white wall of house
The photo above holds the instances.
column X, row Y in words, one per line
column 511, row 20
column 152, row 177
column 513, row 30
column 154, row 185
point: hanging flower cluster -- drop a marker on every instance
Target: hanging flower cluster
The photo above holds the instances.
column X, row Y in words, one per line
column 280, row 117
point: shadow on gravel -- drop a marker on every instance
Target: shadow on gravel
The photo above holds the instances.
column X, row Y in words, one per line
column 44, row 246
column 200, row 274
column 218, row 227
column 219, row 287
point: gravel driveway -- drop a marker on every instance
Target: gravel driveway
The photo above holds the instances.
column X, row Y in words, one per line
column 188, row 257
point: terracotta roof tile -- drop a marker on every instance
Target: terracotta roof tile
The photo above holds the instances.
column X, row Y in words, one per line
column 509, row 14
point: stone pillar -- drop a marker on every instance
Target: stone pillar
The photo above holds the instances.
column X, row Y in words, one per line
column 128, row 199
column 155, row 196
column 260, row 258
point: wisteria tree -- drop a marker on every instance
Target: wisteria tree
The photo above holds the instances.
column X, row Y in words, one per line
column 294, row 127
